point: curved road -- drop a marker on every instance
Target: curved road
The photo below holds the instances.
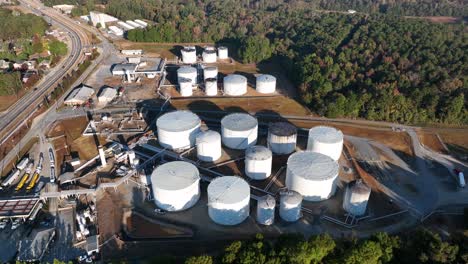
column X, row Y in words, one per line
column 28, row 104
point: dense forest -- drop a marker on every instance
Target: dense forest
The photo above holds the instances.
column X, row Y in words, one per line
column 16, row 25
column 421, row 246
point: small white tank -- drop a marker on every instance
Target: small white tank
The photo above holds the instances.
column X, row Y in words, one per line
column 189, row 55
column 356, row 198
column 239, row 131
column 266, row 84
column 209, row 55
column 210, row 72
column 258, row 161
column 211, row 87
column 187, row 72
column 223, row 53
column 178, row 129
column 282, row 137
column 185, row 87
column 266, row 210
column 209, row 146
column 290, row 206
column 228, row 200
column 131, row 157
column 326, row 140
column 235, row 85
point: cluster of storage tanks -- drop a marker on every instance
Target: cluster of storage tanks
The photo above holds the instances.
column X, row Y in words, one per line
column 311, row 175
column 234, row 84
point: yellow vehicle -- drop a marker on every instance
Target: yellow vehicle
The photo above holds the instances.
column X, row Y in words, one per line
column 22, row 182
column 33, row 182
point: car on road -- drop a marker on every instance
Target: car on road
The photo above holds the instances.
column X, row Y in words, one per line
column 35, row 88
column 3, row 223
column 15, row 224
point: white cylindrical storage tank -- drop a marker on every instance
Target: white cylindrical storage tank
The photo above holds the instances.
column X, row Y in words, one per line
column 178, row 129
column 209, row 55
column 187, row 72
column 356, row 198
column 266, row 83
column 326, row 140
column 211, row 87
column 189, row 55
column 185, row 87
column 313, row 175
column 131, row 157
column 223, row 53
column 210, row 72
column 239, row 131
column 209, row 146
column 282, row 137
column 176, row 185
column 266, row 210
column 228, row 200
column 258, row 161
column 290, row 206
column 235, row 85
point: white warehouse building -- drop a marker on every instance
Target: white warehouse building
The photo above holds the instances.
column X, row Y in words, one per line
column 107, row 94
column 313, row 175
column 79, row 96
column 176, row 185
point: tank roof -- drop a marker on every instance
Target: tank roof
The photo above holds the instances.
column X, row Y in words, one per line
column 186, row 69
column 210, row 68
column 360, row 187
column 266, row 78
column 258, row 153
column 282, row 129
column 326, row 134
column 312, row 166
column 267, row 201
column 239, row 122
column 178, row 121
column 235, row 78
column 175, row 175
column 291, row 197
column 189, row 48
column 208, row 136
column 228, row 190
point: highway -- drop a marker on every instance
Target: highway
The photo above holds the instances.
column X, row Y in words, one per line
column 28, row 104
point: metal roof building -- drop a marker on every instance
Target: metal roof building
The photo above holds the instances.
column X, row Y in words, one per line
column 17, row 208
column 79, row 95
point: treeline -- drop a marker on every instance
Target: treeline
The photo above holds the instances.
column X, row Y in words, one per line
column 10, row 83
column 421, row 246
column 18, row 25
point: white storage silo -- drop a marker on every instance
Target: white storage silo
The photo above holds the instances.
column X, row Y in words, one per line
column 209, row 55
column 210, row 72
column 239, row 131
column 223, row 53
column 209, row 146
column 282, row 137
column 266, row 210
column 189, row 55
column 185, row 87
column 265, row 84
column 187, row 72
column 131, row 157
column 290, row 206
column 258, row 162
column 211, row 87
column 178, row 129
column 176, row 185
column 326, row 140
column 313, row 175
column 235, row 85
column 356, row 198
column 228, row 200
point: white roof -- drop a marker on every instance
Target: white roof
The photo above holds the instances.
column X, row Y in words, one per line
column 208, row 136
column 80, row 95
column 178, row 121
column 267, row 201
column 186, row 69
column 108, row 93
column 258, row 153
column 312, row 165
column 141, row 22
column 175, row 175
column 266, row 78
column 239, row 122
column 235, row 78
column 326, row 134
column 291, row 197
column 228, row 190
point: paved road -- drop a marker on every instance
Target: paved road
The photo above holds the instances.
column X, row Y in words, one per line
column 27, row 105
